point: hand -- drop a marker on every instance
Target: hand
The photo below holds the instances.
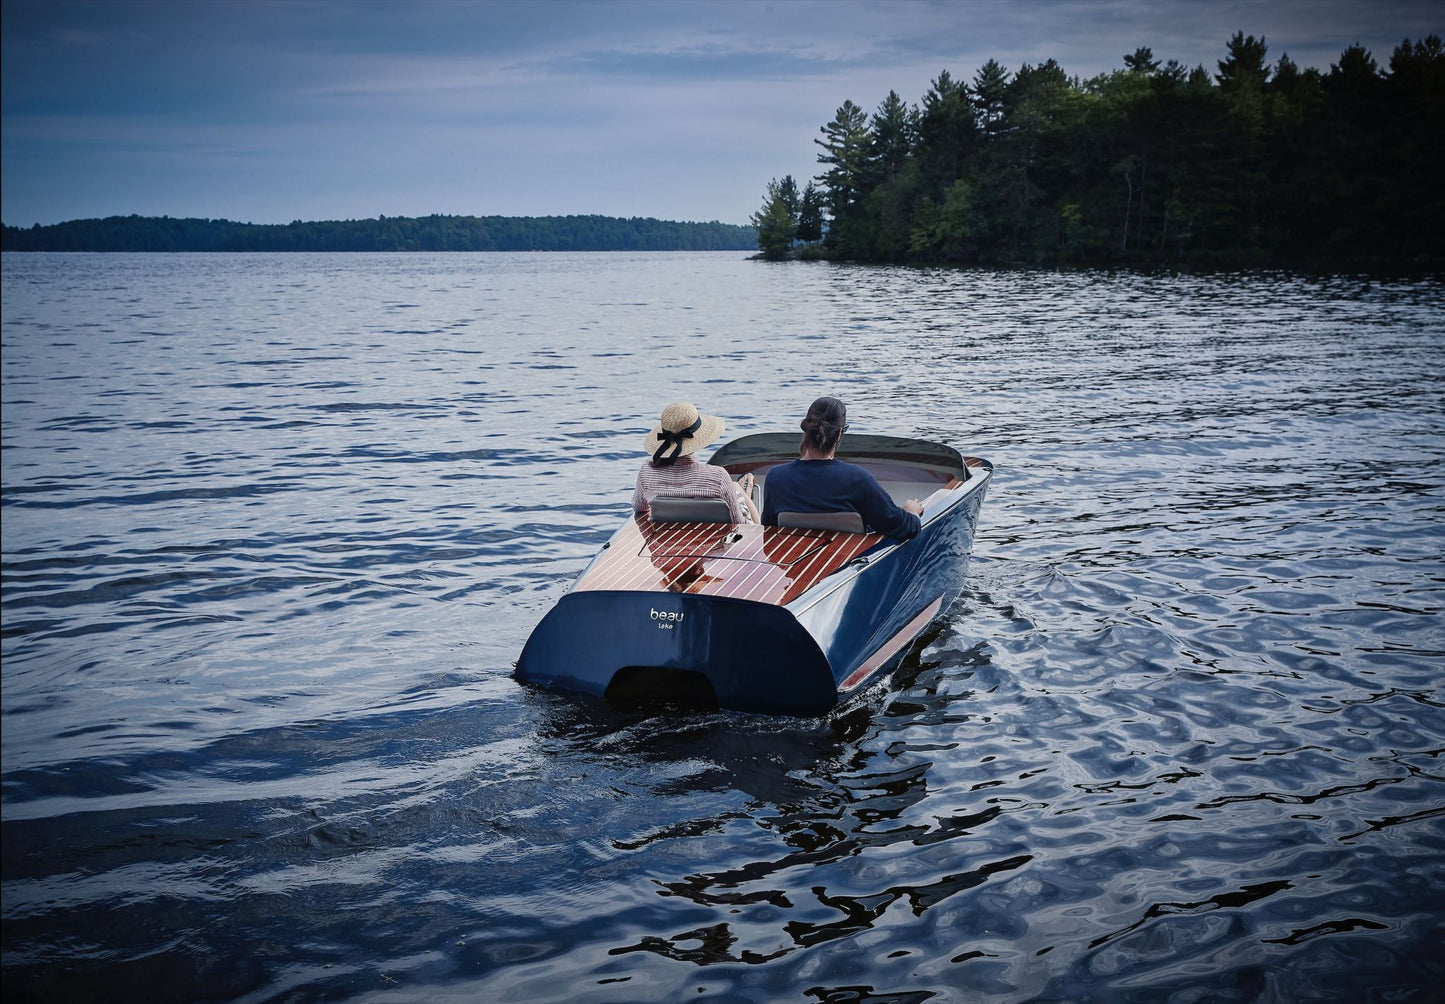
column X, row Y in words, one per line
column 914, row 506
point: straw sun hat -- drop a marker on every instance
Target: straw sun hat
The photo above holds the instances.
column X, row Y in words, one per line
column 681, row 433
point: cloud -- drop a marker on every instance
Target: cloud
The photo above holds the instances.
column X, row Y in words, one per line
column 272, row 110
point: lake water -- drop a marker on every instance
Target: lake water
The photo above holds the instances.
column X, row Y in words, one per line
column 276, row 527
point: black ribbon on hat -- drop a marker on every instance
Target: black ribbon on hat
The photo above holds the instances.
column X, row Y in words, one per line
column 674, row 440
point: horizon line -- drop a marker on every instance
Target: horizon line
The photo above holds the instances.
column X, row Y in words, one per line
column 378, row 217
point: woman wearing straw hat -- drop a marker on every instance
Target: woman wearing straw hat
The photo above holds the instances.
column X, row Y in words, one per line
column 679, row 434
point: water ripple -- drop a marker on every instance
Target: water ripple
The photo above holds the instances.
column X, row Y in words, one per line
column 275, row 528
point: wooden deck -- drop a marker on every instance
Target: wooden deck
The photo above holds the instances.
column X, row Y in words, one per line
column 766, row 564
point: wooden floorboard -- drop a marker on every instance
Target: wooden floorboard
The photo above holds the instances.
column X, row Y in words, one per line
column 766, row 564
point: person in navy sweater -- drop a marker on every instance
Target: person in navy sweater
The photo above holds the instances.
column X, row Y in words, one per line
column 818, row 482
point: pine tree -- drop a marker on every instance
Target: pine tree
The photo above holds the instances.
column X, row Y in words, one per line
column 810, row 215
column 893, row 128
column 947, row 134
column 775, row 222
column 1141, row 60
column 788, row 189
column 845, row 151
column 989, row 86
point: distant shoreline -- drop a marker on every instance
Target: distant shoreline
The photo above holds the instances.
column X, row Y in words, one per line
column 396, row 233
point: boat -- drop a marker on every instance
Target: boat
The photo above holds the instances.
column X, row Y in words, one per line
column 681, row 605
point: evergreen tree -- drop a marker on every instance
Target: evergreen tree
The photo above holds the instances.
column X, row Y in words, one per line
column 1141, row 60
column 1291, row 217
column 1414, row 96
column 989, row 86
column 892, row 132
column 1025, row 172
column 947, row 134
column 775, row 224
column 810, row 215
column 788, row 190
column 1242, row 76
column 845, row 150
column 1354, row 148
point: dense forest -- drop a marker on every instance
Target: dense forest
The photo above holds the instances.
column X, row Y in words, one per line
column 428, row 233
column 1258, row 164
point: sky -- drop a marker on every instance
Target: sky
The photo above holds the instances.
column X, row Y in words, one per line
column 268, row 111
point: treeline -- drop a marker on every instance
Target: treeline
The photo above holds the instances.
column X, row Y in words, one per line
column 1260, row 163
column 428, row 233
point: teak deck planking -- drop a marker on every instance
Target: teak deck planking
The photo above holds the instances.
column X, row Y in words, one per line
column 765, row 564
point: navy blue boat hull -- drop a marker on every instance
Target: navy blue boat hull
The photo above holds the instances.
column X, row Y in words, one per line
column 878, row 611
column 755, row 656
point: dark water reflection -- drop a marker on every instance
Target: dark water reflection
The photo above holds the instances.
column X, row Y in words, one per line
column 275, row 528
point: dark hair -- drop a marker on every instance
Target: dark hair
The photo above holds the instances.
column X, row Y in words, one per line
column 824, row 424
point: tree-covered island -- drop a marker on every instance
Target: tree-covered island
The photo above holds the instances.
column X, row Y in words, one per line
column 1154, row 163
column 397, row 233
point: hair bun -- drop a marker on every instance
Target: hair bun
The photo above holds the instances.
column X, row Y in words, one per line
column 824, row 423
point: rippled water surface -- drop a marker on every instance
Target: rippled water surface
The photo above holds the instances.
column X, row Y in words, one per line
column 276, row 527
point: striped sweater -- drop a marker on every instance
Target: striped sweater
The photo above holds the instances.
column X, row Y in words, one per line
column 688, row 479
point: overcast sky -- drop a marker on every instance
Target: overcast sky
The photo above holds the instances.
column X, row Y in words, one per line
column 268, row 111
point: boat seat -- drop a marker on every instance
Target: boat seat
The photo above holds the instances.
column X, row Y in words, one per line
column 674, row 509
column 847, row 522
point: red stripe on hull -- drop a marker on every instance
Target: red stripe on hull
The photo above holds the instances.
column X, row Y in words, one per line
column 890, row 647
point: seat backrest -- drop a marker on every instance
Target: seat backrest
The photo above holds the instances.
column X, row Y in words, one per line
column 847, row 522
column 672, row 509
